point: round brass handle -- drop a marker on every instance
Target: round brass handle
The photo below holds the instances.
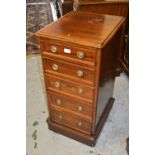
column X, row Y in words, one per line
column 80, row 108
column 53, row 49
column 79, row 123
column 55, row 67
column 57, row 84
column 80, row 91
column 80, row 55
column 60, row 117
column 58, row 101
column 80, row 73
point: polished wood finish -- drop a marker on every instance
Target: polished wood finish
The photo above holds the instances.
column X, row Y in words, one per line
column 111, row 7
column 63, row 101
column 82, row 73
column 89, row 53
column 80, row 33
column 70, row 87
column 79, row 102
column 72, row 121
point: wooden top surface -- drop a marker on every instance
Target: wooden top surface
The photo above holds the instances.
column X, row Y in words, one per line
column 83, row 28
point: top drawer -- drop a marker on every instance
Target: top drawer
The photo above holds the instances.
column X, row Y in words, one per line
column 79, row 54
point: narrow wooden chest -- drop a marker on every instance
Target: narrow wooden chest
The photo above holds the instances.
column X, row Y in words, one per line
column 81, row 57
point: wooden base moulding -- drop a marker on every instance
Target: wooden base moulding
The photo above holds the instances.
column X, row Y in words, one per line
column 81, row 137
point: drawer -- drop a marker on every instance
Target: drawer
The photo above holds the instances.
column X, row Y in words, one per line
column 81, row 108
column 69, row 87
column 70, row 120
column 68, row 69
column 71, row 52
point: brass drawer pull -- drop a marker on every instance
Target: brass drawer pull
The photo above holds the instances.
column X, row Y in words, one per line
column 57, row 84
column 53, row 49
column 80, row 55
column 58, row 101
column 80, row 91
column 79, row 124
column 55, row 67
column 60, row 117
column 80, row 108
column 80, row 73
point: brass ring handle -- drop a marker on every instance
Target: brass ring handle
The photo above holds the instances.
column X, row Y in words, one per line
column 57, row 84
column 80, row 73
column 80, row 55
column 79, row 124
column 80, row 108
column 58, row 101
column 80, row 91
column 55, row 67
column 53, row 49
column 60, row 117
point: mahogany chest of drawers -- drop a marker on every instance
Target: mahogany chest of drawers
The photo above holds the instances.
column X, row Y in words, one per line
column 80, row 55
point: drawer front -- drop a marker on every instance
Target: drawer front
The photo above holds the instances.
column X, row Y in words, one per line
column 56, row 100
column 69, row 87
column 70, row 120
column 69, row 69
column 72, row 52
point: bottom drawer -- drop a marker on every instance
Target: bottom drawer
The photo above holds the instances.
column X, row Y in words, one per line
column 69, row 120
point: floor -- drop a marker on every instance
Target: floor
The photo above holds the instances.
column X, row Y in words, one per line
column 112, row 140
